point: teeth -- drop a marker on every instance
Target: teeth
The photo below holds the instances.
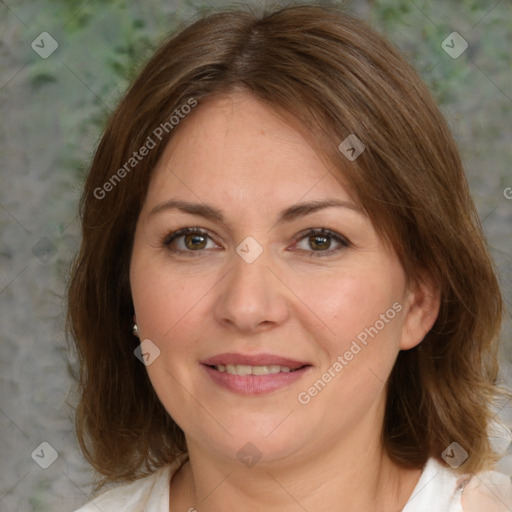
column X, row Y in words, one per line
column 240, row 369
column 243, row 369
column 262, row 370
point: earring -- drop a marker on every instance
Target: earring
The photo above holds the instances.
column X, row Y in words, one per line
column 135, row 330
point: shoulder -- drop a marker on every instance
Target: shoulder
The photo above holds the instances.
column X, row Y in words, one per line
column 490, row 491
column 131, row 497
column 441, row 489
column 150, row 493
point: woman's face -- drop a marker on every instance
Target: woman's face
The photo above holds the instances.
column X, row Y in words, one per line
column 279, row 315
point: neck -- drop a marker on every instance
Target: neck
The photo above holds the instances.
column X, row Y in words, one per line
column 348, row 476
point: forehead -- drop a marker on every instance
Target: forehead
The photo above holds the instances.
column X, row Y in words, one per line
column 235, row 147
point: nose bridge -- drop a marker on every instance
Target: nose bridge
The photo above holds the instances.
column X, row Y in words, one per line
column 250, row 273
column 251, row 294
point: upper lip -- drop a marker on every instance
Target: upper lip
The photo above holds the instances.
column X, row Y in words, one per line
column 253, row 360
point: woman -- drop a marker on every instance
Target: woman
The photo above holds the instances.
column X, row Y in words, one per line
column 283, row 300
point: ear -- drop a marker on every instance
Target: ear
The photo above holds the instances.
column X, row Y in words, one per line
column 421, row 311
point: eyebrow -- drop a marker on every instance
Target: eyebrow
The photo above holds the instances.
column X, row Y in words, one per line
column 289, row 214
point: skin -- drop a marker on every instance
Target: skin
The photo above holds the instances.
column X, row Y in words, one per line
column 236, row 155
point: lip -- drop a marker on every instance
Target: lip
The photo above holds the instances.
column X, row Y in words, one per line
column 254, row 384
column 253, row 360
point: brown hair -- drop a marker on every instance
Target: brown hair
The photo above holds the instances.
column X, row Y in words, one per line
column 337, row 77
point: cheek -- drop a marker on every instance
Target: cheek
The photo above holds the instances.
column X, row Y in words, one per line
column 166, row 299
column 348, row 303
column 361, row 310
column 363, row 316
column 168, row 307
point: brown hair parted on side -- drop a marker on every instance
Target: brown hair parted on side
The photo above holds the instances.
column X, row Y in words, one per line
column 335, row 76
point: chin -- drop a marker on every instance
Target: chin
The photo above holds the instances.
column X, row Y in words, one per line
column 264, row 437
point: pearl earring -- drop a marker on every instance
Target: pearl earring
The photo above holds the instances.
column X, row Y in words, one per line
column 135, row 330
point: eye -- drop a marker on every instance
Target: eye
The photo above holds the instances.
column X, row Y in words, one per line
column 321, row 241
column 188, row 240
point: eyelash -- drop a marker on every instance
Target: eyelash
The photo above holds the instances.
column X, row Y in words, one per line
column 344, row 243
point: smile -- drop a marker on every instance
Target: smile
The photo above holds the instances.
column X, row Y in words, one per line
column 243, row 369
column 253, row 374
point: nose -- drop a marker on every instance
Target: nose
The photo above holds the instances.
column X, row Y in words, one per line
column 251, row 298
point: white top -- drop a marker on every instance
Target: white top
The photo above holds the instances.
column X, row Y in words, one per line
column 439, row 489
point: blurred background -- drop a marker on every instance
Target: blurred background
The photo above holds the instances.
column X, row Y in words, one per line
column 63, row 67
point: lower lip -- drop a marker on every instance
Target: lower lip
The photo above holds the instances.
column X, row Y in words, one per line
column 255, row 384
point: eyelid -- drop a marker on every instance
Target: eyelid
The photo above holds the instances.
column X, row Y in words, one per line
column 170, row 237
column 323, row 231
column 340, row 239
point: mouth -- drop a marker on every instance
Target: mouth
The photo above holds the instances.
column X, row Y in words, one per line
column 254, row 374
column 244, row 369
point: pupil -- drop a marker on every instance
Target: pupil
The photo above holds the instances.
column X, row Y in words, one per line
column 195, row 241
column 320, row 242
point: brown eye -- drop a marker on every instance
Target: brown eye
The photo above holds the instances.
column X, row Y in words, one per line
column 195, row 241
column 189, row 241
column 321, row 242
